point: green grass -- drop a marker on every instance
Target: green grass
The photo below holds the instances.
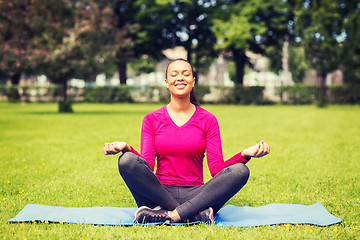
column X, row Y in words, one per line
column 56, row 159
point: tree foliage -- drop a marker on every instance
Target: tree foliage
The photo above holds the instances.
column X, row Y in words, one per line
column 21, row 45
column 81, row 38
column 250, row 25
column 298, row 63
column 320, row 25
column 77, row 41
column 61, row 39
column 189, row 25
column 351, row 46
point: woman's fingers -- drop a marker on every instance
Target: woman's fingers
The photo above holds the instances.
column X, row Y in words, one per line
column 265, row 149
column 262, row 150
column 258, row 150
column 106, row 148
column 113, row 148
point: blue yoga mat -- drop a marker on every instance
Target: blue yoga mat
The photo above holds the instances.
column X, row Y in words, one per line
column 230, row 215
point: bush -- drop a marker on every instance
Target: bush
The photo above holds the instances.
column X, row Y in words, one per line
column 13, row 94
column 344, row 94
column 135, row 94
column 30, row 93
column 298, row 94
column 108, row 94
column 239, row 94
column 201, row 91
column 153, row 94
column 247, row 95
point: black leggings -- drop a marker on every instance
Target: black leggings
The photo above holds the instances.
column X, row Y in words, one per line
column 187, row 200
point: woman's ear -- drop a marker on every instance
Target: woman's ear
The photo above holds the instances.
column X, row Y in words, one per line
column 166, row 83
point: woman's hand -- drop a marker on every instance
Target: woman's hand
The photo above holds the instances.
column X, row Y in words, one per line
column 116, row 147
column 258, row 150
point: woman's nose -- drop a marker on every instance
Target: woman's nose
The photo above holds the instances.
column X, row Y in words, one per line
column 180, row 76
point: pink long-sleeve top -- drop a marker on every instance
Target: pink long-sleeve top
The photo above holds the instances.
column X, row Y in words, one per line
column 179, row 151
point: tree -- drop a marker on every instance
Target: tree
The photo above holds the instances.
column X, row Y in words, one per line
column 183, row 23
column 297, row 64
column 192, row 27
column 162, row 24
column 142, row 24
column 351, row 34
column 61, row 39
column 318, row 23
column 20, row 45
column 250, row 25
column 125, row 28
column 76, row 41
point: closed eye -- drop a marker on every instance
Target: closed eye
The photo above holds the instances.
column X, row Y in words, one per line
column 185, row 73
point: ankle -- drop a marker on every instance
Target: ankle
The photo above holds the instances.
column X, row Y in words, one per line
column 174, row 215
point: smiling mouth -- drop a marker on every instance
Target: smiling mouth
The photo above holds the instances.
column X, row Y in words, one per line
column 180, row 86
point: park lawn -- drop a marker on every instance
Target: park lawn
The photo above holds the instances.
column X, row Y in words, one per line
column 56, row 159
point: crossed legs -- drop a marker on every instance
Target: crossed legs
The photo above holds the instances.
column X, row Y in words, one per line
column 183, row 202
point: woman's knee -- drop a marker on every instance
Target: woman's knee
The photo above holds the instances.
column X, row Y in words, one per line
column 127, row 161
column 241, row 171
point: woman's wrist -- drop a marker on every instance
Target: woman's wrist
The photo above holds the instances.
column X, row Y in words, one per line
column 127, row 149
column 245, row 156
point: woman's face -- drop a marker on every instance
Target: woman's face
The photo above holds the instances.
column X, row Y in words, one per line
column 179, row 78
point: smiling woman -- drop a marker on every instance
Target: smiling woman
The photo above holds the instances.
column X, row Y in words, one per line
column 181, row 74
column 180, row 81
column 176, row 137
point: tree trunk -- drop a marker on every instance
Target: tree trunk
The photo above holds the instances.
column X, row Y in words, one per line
column 64, row 89
column 64, row 105
column 240, row 61
column 15, row 79
column 13, row 93
column 322, row 91
column 122, row 72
